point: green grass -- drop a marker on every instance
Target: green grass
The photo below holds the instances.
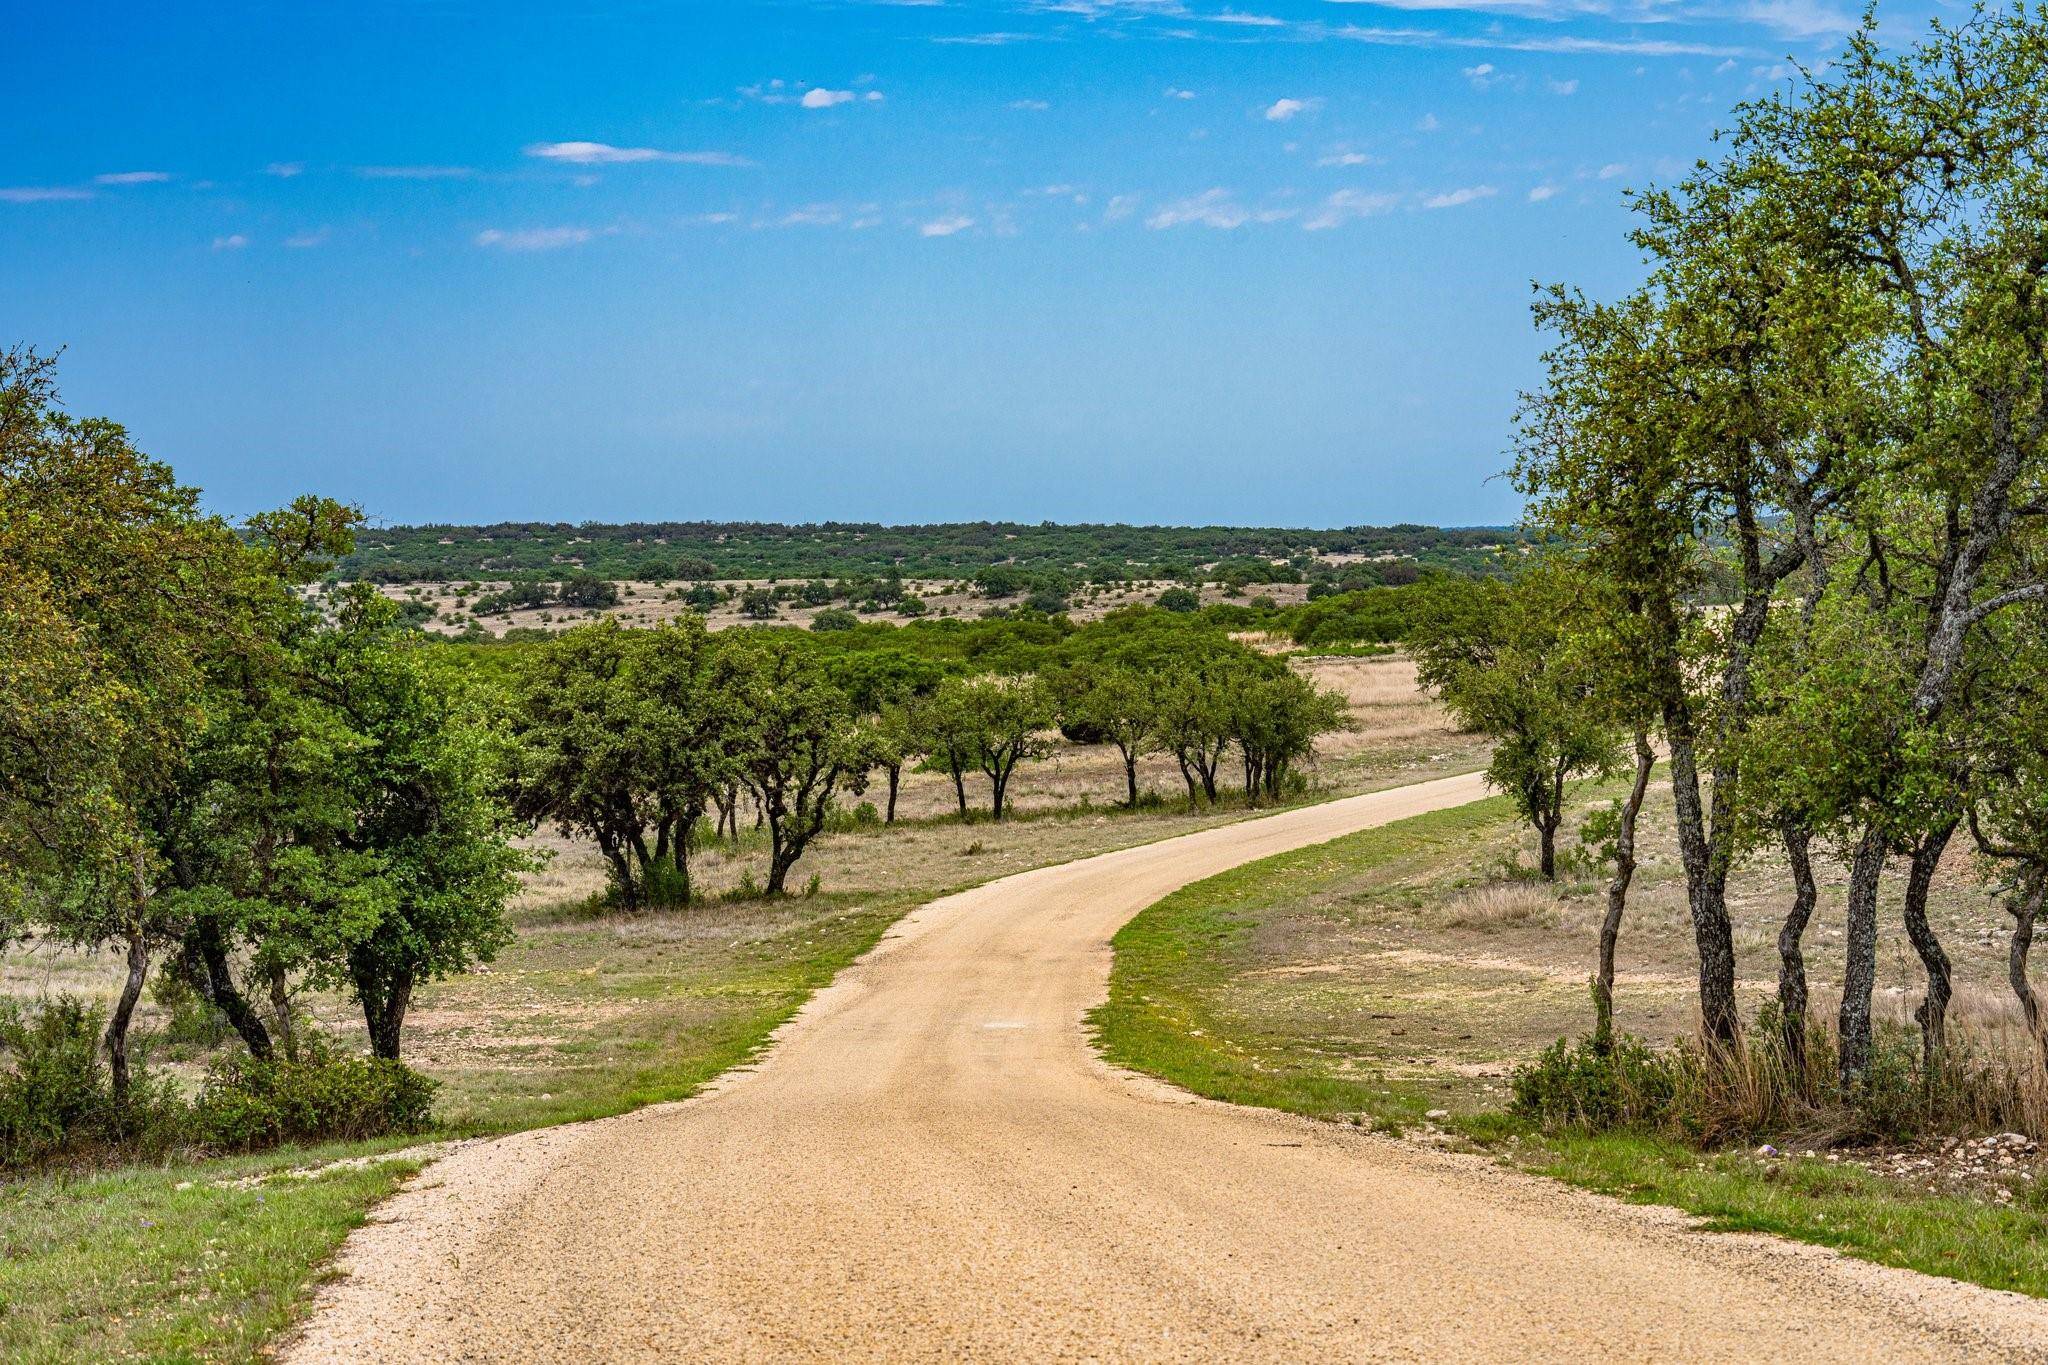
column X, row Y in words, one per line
column 1812, row 1200
column 1172, row 959
column 1179, row 1008
column 172, row 1263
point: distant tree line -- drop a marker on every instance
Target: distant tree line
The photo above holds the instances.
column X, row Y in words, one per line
column 699, row 551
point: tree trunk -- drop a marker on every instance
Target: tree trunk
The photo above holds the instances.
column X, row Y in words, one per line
column 1617, row 894
column 207, row 966
column 1706, row 893
column 2025, row 908
column 384, row 1007
column 281, row 1011
column 124, row 1013
column 1187, row 774
column 1791, row 955
column 999, row 782
column 895, row 779
column 1130, row 777
column 1546, row 836
column 960, row 789
column 1932, row 1014
column 1859, row 976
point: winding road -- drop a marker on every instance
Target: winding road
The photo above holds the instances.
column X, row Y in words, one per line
column 931, row 1163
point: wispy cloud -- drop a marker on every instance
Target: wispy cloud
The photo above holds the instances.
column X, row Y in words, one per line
column 1570, row 87
column 132, row 178
column 1346, row 159
column 41, row 194
column 1000, row 39
column 285, row 170
column 1542, row 192
column 1346, row 206
column 305, row 241
column 415, row 172
column 1034, row 106
column 534, row 239
column 1451, row 199
column 232, row 242
column 1216, row 208
column 604, row 154
column 946, row 225
column 1246, row 20
column 1502, row 42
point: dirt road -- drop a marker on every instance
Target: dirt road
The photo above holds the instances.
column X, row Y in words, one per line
column 931, row 1163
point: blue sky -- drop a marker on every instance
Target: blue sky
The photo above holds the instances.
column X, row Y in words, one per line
column 1134, row 260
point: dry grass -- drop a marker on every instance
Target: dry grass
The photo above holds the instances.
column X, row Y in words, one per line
column 1499, row 905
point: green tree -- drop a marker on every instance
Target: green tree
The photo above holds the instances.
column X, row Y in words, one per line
column 799, row 743
column 1496, row 653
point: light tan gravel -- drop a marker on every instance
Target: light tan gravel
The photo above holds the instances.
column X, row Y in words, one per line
column 932, row 1164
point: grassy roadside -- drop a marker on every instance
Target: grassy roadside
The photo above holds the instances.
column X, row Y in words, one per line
column 1290, row 983
column 207, row 1260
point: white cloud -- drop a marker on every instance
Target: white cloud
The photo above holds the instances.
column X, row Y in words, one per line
column 132, row 178
column 285, row 170
column 41, row 194
column 818, row 97
column 1120, row 207
column 1481, row 75
column 534, row 239
column 1035, row 106
column 946, row 225
column 1612, row 169
column 232, row 242
column 1542, row 192
column 1570, row 87
column 604, row 154
column 1347, row 205
column 982, row 39
column 1231, row 16
column 1279, row 111
column 1451, row 199
column 301, row 241
column 1174, row 92
column 1427, row 124
column 1216, row 208
column 415, row 172
column 1345, row 159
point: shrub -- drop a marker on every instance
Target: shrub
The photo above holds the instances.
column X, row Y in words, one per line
column 249, row 1104
column 1179, row 599
column 56, row 1097
column 834, row 618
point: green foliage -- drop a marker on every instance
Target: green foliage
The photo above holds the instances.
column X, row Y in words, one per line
column 702, row 550
column 835, row 619
column 1179, row 600
column 249, row 1104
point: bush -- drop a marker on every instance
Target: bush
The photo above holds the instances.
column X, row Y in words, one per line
column 249, row 1104
column 55, row 1090
column 1179, row 599
column 56, row 1097
column 834, row 618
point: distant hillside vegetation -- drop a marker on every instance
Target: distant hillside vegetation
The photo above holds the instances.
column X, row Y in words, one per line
column 703, row 549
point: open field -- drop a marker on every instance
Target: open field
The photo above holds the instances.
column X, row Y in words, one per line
column 643, row 603
column 1403, row 972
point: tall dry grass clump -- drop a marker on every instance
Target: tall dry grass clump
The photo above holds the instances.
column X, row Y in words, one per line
column 1759, row 1090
